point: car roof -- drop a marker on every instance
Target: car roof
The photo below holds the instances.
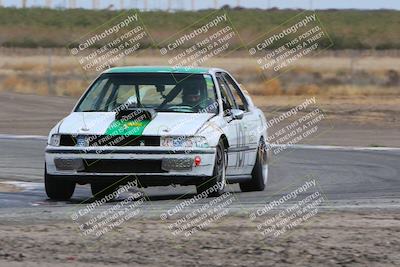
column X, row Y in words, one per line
column 161, row 69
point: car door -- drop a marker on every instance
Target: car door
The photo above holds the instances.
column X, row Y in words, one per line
column 248, row 125
column 233, row 129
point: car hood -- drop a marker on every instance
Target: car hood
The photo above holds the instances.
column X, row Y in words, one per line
column 164, row 123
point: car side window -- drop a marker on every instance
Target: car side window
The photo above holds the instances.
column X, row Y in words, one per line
column 227, row 100
column 236, row 92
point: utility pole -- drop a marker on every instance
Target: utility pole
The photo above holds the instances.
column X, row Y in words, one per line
column 50, row 87
column 48, row 3
column 169, row 5
column 72, row 3
column 24, row 3
column 95, row 4
column 192, row 5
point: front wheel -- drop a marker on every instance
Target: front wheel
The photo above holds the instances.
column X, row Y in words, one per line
column 215, row 186
column 260, row 172
column 58, row 189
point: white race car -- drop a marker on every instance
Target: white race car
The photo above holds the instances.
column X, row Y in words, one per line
column 159, row 126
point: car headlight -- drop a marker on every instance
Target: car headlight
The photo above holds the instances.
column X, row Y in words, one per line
column 183, row 141
column 55, row 140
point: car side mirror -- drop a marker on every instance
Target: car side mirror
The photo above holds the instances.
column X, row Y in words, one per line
column 237, row 114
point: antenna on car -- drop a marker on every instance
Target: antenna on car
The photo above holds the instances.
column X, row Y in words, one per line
column 84, row 128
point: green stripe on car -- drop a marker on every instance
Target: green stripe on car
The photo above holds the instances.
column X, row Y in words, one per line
column 126, row 127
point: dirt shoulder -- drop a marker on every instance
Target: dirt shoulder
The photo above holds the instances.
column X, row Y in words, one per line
column 32, row 114
column 349, row 121
column 370, row 238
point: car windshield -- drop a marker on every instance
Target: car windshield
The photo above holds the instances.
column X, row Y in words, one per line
column 163, row 92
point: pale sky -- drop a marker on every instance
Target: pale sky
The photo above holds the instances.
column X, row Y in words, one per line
column 202, row 4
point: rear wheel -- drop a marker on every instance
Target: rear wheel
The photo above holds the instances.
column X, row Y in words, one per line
column 259, row 173
column 58, row 189
column 215, row 186
column 102, row 189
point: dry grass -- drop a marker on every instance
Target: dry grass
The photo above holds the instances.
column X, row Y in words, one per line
column 343, row 76
column 73, row 88
column 349, row 90
column 19, row 84
column 307, row 89
column 41, row 67
column 24, row 66
column 271, row 87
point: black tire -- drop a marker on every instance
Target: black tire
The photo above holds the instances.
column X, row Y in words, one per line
column 257, row 182
column 102, row 189
column 219, row 174
column 57, row 189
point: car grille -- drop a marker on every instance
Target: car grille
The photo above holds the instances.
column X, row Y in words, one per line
column 111, row 140
column 122, row 166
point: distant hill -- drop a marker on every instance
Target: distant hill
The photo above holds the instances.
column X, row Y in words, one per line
column 349, row 29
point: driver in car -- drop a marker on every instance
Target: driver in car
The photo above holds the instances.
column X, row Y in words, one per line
column 192, row 96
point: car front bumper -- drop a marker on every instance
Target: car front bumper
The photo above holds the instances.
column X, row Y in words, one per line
column 151, row 165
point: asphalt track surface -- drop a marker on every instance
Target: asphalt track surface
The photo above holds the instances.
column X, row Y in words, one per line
column 348, row 177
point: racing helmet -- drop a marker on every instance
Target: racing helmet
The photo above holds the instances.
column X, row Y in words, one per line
column 191, row 94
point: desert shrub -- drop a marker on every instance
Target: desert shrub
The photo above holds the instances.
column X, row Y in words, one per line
column 393, row 78
column 20, row 84
column 73, row 88
column 306, row 89
column 270, row 87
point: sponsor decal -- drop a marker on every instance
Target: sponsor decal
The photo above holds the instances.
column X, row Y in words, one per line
column 123, row 127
